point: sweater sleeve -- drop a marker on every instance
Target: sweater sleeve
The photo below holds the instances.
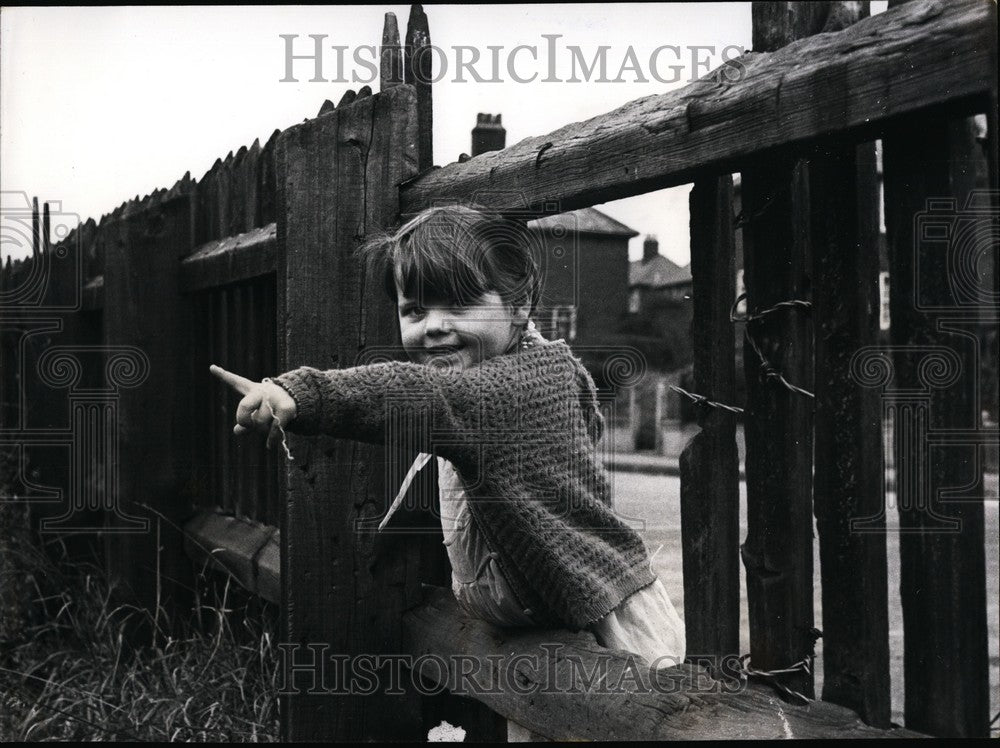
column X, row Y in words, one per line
column 380, row 403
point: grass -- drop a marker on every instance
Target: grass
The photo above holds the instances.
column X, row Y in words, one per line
column 70, row 674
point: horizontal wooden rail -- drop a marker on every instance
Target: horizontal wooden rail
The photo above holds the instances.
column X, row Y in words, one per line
column 247, row 550
column 229, row 260
column 539, row 679
column 909, row 58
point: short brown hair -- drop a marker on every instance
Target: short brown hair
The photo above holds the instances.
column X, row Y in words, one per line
column 457, row 253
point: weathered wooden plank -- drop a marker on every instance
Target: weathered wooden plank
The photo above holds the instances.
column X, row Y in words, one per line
column 709, row 463
column 777, row 553
column 849, row 494
column 274, row 461
column 255, row 468
column 238, row 222
column 230, row 260
column 243, row 446
column 565, row 686
column 419, row 74
column 848, row 472
column 266, row 182
column 229, row 544
column 391, row 61
column 937, row 324
column 144, row 310
column 337, row 180
column 888, row 66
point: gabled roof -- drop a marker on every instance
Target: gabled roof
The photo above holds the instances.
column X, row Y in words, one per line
column 585, row 220
column 657, row 273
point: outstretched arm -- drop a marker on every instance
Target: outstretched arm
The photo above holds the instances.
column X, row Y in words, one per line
column 382, row 402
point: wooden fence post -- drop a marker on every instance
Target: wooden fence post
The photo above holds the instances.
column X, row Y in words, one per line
column 709, row 463
column 343, row 590
column 144, row 311
column 848, row 492
column 937, row 323
column 418, row 70
column 778, row 548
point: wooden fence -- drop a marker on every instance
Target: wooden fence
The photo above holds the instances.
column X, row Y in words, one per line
column 251, row 268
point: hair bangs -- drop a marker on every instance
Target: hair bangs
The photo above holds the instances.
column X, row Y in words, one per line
column 440, row 261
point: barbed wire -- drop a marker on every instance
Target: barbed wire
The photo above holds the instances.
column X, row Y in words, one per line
column 702, row 400
column 767, row 370
column 804, row 665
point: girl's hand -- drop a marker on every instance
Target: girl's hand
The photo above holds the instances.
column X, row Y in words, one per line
column 265, row 406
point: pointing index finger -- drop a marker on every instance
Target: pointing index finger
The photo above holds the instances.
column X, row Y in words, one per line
column 238, row 383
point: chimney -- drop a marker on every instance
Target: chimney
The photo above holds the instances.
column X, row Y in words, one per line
column 488, row 134
column 650, row 248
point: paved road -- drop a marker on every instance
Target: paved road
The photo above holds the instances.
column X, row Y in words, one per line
column 651, row 503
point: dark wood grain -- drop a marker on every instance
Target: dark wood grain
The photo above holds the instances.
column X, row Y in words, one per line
column 884, row 67
column 418, row 72
column 537, row 678
column 709, row 463
column 778, row 548
column 942, row 556
column 230, row 260
column 849, row 494
column 338, row 178
column 391, row 60
column 144, row 310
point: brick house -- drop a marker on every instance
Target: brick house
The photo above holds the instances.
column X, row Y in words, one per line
column 583, row 255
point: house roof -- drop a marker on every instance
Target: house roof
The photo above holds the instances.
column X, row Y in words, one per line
column 585, row 220
column 657, row 273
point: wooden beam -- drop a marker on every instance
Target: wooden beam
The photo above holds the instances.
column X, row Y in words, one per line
column 245, row 549
column 235, row 258
column 551, row 682
column 889, row 66
column 709, row 464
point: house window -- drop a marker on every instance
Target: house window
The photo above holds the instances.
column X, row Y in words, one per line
column 564, row 322
column 633, row 301
column 883, row 298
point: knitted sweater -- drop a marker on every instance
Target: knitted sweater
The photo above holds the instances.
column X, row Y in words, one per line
column 521, row 429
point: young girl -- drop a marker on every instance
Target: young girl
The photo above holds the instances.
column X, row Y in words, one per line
column 525, row 503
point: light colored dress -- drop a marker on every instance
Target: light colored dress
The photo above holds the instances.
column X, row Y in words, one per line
column 646, row 623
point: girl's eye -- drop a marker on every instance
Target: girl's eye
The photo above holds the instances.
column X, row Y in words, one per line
column 413, row 311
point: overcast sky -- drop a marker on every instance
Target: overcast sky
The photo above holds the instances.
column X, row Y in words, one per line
column 100, row 104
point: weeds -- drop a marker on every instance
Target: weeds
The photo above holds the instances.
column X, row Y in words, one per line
column 71, row 674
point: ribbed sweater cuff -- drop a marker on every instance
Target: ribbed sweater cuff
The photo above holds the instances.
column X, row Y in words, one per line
column 304, row 389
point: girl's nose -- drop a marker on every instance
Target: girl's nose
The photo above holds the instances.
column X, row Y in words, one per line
column 437, row 322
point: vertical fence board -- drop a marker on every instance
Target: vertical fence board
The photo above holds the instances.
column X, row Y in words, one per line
column 942, row 579
column 144, row 309
column 391, row 61
column 778, row 548
column 709, row 463
column 255, row 476
column 849, row 488
column 419, row 74
column 338, row 584
column 266, row 181
column 242, row 445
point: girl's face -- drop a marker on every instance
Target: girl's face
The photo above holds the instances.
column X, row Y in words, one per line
column 442, row 333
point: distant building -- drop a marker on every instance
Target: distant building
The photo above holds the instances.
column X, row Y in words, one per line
column 659, row 308
column 583, row 255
